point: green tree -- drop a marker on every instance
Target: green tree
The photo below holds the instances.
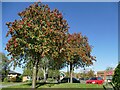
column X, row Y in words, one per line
column 4, row 65
column 90, row 73
column 40, row 74
column 47, row 63
column 53, row 73
column 27, row 72
column 78, row 52
column 40, row 32
column 67, row 74
column 116, row 77
column 109, row 68
column 44, row 66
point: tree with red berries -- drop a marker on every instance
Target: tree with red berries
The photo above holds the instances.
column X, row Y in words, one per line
column 78, row 52
column 39, row 33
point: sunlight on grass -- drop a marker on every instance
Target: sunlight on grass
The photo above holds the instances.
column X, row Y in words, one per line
column 63, row 85
column 73, row 85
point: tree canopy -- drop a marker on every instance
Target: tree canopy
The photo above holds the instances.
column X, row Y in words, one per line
column 41, row 32
column 78, row 51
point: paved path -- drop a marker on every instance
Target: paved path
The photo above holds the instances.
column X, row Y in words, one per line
column 11, row 84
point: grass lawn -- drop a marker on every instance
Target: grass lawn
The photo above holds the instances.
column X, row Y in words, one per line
column 73, row 85
column 63, row 85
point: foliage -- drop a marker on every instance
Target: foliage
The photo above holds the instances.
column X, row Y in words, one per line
column 53, row 73
column 40, row 32
column 67, row 74
column 90, row 74
column 6, row 79
column 40, row 73
column 78, row 52
column 109, row 68
column 27, row 72
column 87, row 74
column 19, row 78
column 49, row 63
column 116, row 77
column 4, row 65
column 50, row 80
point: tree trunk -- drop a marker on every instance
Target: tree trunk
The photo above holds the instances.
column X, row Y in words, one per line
column 34, row 75
column 45, row 70
column 71, row 70
column 68, row 73
column 37, row 74
column 44, row 76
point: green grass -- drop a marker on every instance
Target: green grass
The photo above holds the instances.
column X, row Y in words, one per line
column 63, row 85
column 69, row 85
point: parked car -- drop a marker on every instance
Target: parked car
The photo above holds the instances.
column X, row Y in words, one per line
column 95, row 80
column 67, row 79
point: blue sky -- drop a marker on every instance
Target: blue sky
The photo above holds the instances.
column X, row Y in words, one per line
column 98, row 21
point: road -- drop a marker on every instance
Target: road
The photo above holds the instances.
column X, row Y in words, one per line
column 11, row 84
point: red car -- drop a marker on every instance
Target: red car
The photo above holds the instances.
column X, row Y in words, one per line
column 95, row 80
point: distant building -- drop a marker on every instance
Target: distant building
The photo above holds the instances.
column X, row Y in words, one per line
column 12, row 75
column 26, row 78
column 106, row 75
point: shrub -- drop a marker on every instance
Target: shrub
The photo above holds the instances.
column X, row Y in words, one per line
column 29, row 81
column 18, row 78
column 50, row 80
column 6, row 79
column 116, row 77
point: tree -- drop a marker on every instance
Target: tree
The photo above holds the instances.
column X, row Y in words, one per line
column 47, row 63
column 27, row 71
column 43, row 68
column 109, row 68
column 53, row 73
column 40, row 74
column 40, row 32
column 4, row 65
column 78, row 52
column 116, row 77
column 67, row 74
column 90, row 73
